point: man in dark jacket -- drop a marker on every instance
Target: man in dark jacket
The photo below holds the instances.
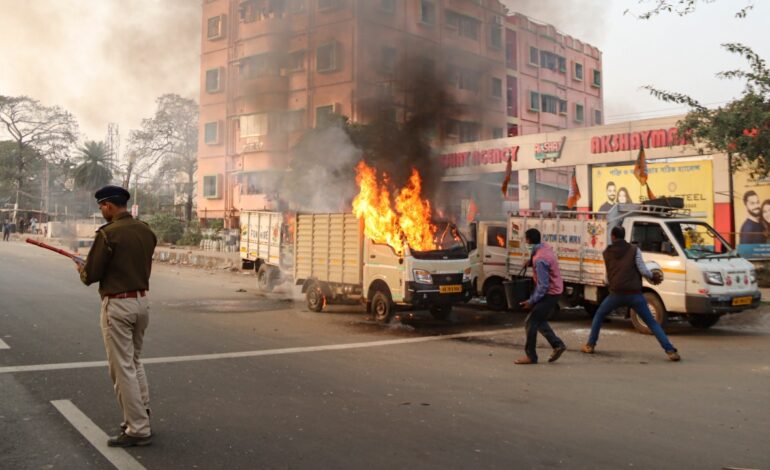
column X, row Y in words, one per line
column 544, row 300
column 120, row 260
column 625, row 268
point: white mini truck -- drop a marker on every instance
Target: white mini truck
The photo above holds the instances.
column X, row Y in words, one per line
column 704, row 278
column 336, row 263
column 267, row 246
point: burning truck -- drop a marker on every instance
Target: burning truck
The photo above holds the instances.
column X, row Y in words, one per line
column 388, row 252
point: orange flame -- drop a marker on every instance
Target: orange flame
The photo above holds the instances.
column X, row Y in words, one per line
column 409, row 223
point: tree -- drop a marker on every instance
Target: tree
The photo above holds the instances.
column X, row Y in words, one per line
column 93, row 171
column 168, row 141
column 38, row 132
column 683, row 7
column 741, row 128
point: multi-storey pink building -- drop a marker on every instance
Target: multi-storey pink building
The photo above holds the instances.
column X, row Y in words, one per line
column 554, row 81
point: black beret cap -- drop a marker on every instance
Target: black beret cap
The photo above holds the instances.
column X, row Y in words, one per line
column 112, row 193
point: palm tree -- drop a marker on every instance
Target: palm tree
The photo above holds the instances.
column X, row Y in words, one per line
column 93, row 171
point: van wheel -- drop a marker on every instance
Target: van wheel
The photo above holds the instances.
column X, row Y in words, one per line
column 658, row 312
column 441, row 312
column 382, row 306
column 315, row 298
column 495, row 295
column 265, row 281
column 703, row 321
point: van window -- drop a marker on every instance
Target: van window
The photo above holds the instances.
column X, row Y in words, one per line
column 496, row 236
column 649, row 236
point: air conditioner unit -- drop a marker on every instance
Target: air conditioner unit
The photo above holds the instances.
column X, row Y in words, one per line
column 217, row 32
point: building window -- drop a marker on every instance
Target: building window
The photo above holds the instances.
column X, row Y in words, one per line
column 579, row 112
column 427, row 12
column 328, row 4
column 534, row 56
column 563, row 107
column 253, row 125
column 464, row 79
column 597, row 117
column 578, row 72
column 512, row 98
column 296, row 61
column 211, row 133
column 497, row 132
column 466, row 26
column 326, row 57
column 388, row 57
column 211, row 186
column 497, row 88
column 496, row 33
column 215, row 28
column 324, row 115
column 513, row 130
column 552, row 61
column 388, row 5
column 510, row 49
column 597, row 82
column 552, row 104
column 468, row 132
column 214, row 80
column 534, row 101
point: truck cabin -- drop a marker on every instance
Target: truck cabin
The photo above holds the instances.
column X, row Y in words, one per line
column 693, row 239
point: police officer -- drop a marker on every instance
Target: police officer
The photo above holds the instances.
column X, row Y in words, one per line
column 120, row 260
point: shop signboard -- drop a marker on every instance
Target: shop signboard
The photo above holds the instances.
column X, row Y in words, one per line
column 549, row 150
column 692, row 181
column 752, row 215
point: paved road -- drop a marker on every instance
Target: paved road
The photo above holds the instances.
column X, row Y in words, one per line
column 335, row 390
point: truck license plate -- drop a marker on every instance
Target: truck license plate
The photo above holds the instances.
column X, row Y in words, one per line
column 742, row 301
column 453, row 289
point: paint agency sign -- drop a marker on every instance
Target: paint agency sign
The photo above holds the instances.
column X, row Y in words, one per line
column 549, row 150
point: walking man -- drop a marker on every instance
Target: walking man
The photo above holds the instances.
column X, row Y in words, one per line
column 543, row 301
column 120, row 260
column 625, row 268
column 6, row 230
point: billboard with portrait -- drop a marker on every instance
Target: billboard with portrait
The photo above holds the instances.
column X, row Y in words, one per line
column 692, row 181
column 752, row 215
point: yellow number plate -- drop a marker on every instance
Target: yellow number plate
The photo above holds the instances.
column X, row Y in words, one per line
column 742, row 301
column 453, row 289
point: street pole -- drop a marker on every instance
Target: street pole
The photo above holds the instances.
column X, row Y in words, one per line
column 732, row 199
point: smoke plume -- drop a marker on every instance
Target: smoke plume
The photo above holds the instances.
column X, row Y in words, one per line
column 582, row 20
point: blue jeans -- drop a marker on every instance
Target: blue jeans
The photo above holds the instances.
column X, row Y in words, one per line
column 639, row 304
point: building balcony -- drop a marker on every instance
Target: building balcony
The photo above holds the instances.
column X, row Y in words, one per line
column 261, row 85
column 271, row 143
column 264, row 24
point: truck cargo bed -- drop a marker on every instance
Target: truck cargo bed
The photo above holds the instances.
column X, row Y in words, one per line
column 329, row 248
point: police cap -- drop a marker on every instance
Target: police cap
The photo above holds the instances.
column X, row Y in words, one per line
column 114, row 194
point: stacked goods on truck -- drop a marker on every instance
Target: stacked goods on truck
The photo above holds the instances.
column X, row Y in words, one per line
column 267, row 246
column 336, row 263
column 704, row 278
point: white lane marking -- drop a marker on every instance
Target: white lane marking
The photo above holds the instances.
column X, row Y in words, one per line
column 4, row 345
column 117, row 456
column 263, row 352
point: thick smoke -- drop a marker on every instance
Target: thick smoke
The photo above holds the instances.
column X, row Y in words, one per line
column 105, row 61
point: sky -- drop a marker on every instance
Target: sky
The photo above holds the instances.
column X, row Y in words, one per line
column 108, row 60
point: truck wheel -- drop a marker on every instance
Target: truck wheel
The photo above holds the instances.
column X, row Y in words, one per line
column 382, row 306
column 658, row 312
column 315, row 298
column 441, row 312
column 495, row 295
column 703, row 321
column 265, row 278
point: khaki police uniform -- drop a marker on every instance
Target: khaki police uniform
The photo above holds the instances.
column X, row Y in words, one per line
column 121, row 260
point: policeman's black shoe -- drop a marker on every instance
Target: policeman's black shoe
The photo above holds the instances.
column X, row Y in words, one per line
column 124, row 440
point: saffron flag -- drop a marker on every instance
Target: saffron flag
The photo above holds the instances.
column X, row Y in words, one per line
column 507, row 176
column 574, row 191
column 640, row 167
column 472, row 211
column 650, row 196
